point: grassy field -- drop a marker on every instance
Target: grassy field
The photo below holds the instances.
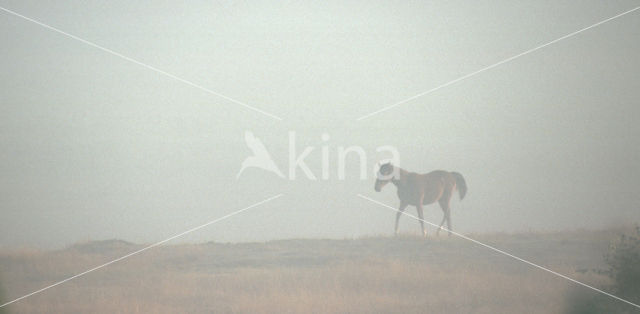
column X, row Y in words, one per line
column 406, row 274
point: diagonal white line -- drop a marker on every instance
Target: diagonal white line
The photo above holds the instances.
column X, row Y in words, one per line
column 143, row 249
column 192, row 84
column 501, row 251
column 495, row 65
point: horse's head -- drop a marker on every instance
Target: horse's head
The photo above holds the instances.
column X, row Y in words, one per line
column 384, row 176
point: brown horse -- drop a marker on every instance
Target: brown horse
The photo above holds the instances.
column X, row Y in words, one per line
column 422, row 189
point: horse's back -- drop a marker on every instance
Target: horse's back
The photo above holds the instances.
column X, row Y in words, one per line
column 439, row 176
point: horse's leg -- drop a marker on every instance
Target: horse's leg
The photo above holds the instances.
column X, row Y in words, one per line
column 421, row 216
column 401, row 209
column 441, row 223
column 448, row 215
column 445, row 204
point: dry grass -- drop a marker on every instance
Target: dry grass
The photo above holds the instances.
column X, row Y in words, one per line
column 372, row 275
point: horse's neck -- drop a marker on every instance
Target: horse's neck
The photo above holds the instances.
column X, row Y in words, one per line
column 401, row 179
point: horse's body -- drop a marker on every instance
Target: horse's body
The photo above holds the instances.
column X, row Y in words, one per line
column 423, row 189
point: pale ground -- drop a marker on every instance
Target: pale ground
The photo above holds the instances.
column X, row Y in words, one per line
column 370, row 275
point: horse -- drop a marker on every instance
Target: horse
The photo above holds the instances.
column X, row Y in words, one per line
column 422, row 189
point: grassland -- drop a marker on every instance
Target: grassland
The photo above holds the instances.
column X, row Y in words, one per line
column 405, row 274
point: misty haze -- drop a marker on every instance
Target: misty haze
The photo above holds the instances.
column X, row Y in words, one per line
column 327, row 157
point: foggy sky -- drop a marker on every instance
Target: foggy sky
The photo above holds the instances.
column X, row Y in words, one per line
column 96, row 147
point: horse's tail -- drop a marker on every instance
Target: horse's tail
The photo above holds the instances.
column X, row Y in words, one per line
column 460, row 184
